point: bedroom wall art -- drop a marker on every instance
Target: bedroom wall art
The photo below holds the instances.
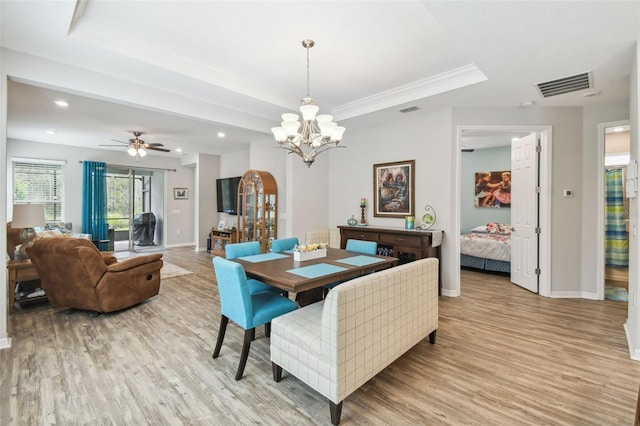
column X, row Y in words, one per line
column 493, row 189
column 393, row 189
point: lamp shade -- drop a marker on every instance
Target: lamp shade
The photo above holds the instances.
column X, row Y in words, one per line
column 28, row 216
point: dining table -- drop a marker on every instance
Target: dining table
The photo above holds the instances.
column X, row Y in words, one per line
column 306, row 278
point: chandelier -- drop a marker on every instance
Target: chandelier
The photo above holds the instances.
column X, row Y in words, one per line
column 316, row 134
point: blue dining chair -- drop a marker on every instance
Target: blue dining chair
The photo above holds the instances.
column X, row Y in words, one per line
column 364, row 247
column 360, row 246
column 249, row 248
column 245, row 309
column 283, row 244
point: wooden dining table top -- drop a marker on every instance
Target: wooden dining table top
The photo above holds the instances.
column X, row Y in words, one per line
column 282, row 271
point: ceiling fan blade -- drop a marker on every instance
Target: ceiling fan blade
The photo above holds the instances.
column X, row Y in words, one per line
column 152, row 144
column 116, row 140
column 152, row 148
column 119, row 146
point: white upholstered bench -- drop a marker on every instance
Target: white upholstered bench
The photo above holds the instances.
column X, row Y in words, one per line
column 362, row 326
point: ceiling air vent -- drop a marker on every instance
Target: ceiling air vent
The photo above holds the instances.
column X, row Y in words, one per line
column 566, row 85
column 409, row 109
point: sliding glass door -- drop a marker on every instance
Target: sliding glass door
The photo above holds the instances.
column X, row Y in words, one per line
column 135, row 208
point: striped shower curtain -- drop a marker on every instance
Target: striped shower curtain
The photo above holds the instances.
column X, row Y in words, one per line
column 616, row 238
column 94, row 201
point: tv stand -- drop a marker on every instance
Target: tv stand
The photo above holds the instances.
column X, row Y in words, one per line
column 220, row 238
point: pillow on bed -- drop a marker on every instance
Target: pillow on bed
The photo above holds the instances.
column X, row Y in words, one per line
column 498, row 228
column 479, row 229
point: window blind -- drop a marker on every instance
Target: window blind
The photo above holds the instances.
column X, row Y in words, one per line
column 39, row 183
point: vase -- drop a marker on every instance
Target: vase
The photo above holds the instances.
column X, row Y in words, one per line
column 352, row 221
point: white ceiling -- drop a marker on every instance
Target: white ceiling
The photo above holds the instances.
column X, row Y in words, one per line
column 245, row 58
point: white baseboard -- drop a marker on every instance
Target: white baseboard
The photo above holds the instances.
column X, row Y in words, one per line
column 5, row 343
column 573, row 295
column 179, row 245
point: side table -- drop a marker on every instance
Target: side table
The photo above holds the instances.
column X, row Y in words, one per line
column 20, row 270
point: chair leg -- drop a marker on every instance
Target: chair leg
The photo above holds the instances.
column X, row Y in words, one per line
column 248, row 337
column 432, row 337
column 336, row 411
column 223, row 328
column 267, row 329
column 277, row 372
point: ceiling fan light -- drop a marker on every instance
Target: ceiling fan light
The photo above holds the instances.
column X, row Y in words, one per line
column 132, row 152
column 142, row 152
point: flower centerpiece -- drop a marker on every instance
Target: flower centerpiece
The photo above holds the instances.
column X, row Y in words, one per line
column 309, row 251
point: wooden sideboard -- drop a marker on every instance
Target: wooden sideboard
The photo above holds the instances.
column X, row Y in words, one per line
column 405, row 244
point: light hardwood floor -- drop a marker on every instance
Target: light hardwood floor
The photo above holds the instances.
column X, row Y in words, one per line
column 503, row 356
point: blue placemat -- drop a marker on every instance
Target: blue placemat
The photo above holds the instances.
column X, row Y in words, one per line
column 360, row 260
column 317, row 270
column 262, row 257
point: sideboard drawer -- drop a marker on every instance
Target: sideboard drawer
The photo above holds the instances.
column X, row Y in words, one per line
column 359, row 235
column 400, row 240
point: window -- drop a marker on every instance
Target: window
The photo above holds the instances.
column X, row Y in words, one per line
column 40, row 182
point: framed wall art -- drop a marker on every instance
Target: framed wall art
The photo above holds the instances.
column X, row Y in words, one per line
column 493, row 189
column 180, row 193
column 393, row 189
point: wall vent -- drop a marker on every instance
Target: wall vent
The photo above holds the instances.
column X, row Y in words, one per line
column 566, row 85
column 409, row 109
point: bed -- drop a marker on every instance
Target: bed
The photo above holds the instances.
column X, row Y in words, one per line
column 487, row 247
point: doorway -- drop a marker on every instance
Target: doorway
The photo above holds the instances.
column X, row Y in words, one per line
column 614, row 142
column 542, row 249
column 135, row 209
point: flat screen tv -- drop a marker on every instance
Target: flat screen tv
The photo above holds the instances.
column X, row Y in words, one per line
column 227, row 190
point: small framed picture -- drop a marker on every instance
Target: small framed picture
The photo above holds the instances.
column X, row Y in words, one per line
column 221, row 225
column 180, row 193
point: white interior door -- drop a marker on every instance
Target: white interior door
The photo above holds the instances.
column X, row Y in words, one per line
column 524, row 212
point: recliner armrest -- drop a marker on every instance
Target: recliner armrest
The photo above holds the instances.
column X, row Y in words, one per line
column 133, row 262
column 108, row 258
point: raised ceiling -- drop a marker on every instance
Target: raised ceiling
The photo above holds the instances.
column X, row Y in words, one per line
column 245, row 60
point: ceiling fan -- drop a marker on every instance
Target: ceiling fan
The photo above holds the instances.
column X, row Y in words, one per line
column 138, row 147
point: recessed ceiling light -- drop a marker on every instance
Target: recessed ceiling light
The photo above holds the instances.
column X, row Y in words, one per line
column 590, row 94
column 527, row 103
column 178, row 149
column 61, row 103
column 221, row 134
column 51, row 132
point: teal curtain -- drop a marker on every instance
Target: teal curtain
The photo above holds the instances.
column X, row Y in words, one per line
column 616, row 237
column 94, row 201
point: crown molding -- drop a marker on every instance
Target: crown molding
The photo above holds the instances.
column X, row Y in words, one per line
column 450, row 80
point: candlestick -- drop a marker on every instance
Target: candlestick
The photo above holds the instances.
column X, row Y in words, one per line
column 362, row 220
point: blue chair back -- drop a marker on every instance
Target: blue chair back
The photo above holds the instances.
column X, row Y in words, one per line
column 284, row 244
column 365, row 247
column 232, row 251
column 235, row 298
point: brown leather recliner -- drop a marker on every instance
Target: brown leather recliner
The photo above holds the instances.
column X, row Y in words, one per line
column 75, row 275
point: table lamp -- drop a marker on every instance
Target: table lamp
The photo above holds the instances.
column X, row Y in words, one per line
column 27, row 217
